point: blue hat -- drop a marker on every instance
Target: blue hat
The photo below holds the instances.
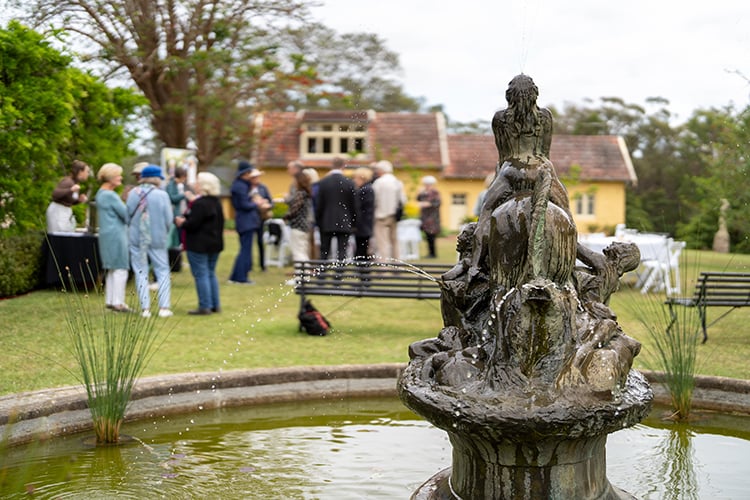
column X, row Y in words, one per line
column 244, row 167
column 151, row 171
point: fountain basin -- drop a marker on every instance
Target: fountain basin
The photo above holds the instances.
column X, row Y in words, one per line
column 406, row 459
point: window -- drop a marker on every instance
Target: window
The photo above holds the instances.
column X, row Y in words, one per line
column 458, row 199
column 586, row 204
column 333, row 139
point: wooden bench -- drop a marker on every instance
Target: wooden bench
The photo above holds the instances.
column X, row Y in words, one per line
column 714, row 289
column 368, row 279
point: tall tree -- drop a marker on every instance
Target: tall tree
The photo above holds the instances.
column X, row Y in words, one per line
column 50, row 114
column 719, row 141
column 203, row 65
column 101, row 126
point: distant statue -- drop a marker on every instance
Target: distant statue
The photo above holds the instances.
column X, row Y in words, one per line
column 721, row 238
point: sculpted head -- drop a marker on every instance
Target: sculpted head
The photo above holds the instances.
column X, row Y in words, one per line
column 522, row 91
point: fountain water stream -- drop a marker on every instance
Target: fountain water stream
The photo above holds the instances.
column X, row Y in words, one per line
column 531, row 371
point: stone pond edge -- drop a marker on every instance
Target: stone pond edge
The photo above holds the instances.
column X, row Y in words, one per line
column 47, row 413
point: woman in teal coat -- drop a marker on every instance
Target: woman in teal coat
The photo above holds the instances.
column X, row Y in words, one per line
column 113, row 236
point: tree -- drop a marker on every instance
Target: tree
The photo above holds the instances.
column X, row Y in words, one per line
column 35, row 108
column 354, row 71
column 50, row 114
column 203, row 65
column 717, row 139
column 654, row 203
column 100, row 128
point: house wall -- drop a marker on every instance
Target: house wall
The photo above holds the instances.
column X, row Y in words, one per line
column 609, row 206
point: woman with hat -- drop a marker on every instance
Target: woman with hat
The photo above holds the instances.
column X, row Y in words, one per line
column 150, row 211
column 247, row 221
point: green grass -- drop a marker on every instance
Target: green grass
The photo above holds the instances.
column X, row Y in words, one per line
column 258, row 328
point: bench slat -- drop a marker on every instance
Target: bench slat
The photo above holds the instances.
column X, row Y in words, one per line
column 715, row 289
column 361, row 280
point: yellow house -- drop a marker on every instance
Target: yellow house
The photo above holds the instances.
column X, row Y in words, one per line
column 595, row 169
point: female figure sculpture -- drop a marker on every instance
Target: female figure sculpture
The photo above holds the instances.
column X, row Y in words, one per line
column 524, row 174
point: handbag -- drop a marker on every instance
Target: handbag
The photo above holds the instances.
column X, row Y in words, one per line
column 312, row 321
column 399, row 211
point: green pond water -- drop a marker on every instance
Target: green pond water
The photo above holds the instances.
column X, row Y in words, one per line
column 350, row 449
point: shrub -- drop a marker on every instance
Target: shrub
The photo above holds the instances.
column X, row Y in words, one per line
column 20, row 262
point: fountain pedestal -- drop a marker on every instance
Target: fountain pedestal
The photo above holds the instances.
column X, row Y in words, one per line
column 505, row 449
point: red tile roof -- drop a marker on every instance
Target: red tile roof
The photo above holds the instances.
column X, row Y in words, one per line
column 419, row 140
column 406, row 139
column 410, row 139
column 600, row 157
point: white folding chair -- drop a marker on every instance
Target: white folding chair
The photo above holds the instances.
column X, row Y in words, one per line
column 409, row 237
column 674, row 286
column 276, row 235
column 663, row 272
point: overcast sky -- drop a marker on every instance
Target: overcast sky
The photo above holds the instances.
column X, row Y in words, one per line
column 462, row 54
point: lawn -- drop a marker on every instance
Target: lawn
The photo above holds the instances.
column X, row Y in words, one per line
column 258, row 328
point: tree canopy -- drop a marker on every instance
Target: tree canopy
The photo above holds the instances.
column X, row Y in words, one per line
column 354, row 71
column 684, row 171
column 50, row 114
column 203, row 65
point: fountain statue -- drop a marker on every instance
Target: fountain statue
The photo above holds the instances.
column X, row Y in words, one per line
column 531, row 370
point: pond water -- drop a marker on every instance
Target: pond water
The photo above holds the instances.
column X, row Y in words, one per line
column 351, row 449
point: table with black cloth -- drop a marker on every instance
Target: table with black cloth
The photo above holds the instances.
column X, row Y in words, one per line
column 74, row 252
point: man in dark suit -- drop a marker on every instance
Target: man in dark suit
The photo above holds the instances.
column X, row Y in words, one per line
column 335, row 211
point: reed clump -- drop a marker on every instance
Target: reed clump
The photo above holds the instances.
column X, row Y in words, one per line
column 111, row 350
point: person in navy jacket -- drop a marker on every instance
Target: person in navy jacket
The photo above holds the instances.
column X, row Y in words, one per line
column 246, row 222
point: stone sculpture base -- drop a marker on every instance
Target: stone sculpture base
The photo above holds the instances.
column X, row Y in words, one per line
column 438, row 488
column 506, row 450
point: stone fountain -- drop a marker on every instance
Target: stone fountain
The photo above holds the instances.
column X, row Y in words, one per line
column 531, row 371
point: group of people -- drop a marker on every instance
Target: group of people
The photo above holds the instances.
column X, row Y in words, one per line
column 138, row 226
column 366, row 206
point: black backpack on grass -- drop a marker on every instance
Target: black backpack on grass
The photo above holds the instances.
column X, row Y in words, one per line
column 311, row 321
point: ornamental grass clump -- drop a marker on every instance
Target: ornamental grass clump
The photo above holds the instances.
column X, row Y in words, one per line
column 675, row 347
column 112, row 349
column 674, row 343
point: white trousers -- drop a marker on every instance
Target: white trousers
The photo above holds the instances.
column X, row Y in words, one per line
column 299, row 242
column 114, row 287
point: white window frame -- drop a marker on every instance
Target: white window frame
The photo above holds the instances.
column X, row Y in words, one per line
column 328, row 137
column 586, row 204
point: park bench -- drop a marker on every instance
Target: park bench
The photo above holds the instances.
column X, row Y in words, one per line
column 359, row 279
column 714, row 289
